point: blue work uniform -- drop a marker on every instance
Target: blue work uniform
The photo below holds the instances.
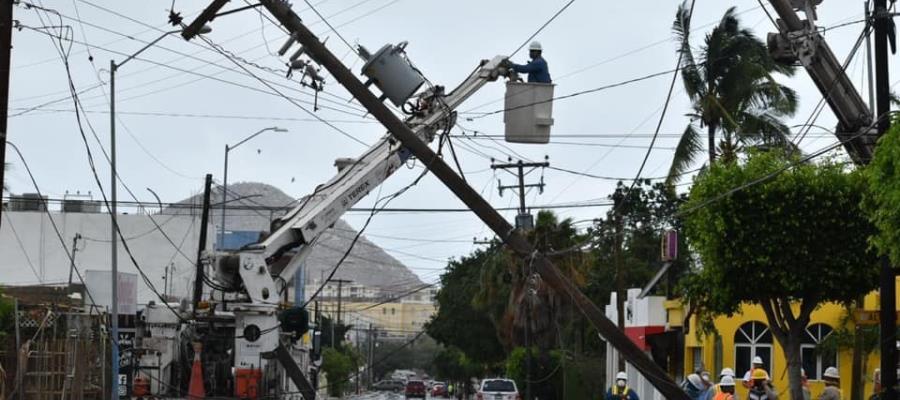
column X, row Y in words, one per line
column 617, row 393
column 537, row 70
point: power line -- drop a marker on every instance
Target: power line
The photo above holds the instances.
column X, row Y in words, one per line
column 542, row 27
column 290, row 100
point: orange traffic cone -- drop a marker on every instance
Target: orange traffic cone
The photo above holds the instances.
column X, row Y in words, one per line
column 196, row 390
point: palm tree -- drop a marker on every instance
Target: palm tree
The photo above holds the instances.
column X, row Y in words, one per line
column 732, row 91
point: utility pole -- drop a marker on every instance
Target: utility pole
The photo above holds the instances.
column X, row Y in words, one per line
column 883, row 28
column 113, row 228
column 6, row 20
column 201, row 247
column 620, row 270
column 72, row 262
column 524, row 220
column 340, row 283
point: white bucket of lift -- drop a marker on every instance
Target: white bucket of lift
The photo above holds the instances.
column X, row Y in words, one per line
column 528, row 112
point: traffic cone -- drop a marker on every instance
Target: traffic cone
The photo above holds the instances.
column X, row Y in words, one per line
column 196, row 390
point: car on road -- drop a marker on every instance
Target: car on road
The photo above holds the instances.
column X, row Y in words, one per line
column 389, row 385
column 498, row 389
column 415, row 389
column 439, row 389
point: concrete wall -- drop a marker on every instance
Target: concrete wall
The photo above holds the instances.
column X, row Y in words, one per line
column 31, row 253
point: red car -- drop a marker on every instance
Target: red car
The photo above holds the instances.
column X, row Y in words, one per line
column 439, row 389
column 415, row 389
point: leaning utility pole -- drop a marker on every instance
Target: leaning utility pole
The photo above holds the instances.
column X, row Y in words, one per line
column 512, row 237
column 524, row 220
column 883, row 28
column 201, row 247
column 6, row 28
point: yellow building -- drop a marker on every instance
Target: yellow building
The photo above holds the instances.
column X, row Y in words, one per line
column 746, row 334
column 395, row 319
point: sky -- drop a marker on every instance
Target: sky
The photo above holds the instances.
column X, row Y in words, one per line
column 180, row 103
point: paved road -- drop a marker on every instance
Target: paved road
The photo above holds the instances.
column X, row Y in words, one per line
column 383, row 396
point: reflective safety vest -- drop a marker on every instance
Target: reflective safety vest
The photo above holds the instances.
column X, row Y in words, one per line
column 722, row 395
column 623, row 395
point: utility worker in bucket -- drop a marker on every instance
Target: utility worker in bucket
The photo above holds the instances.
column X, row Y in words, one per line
column 621, row 391
column 537, row 69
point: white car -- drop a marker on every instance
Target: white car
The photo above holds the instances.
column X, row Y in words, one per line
column 498, row 389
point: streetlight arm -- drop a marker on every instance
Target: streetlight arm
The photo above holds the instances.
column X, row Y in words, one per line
column 273, row 128
column 149, row 45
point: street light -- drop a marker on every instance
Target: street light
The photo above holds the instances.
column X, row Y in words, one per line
column 113, row 227
column 225, row 176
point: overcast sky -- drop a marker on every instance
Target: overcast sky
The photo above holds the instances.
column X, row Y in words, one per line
column 592, row 44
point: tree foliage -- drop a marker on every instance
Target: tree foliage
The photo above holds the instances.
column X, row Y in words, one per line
column 337, row 364
column 882, row 200
column 457, row 323
column 799, row 238
column 733, row 91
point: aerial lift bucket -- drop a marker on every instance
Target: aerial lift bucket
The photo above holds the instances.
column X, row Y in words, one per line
column 528, row 112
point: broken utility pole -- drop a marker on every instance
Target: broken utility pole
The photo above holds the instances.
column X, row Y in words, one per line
column 512, row 237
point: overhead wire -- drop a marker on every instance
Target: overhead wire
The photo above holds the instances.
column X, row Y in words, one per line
column 64, row 54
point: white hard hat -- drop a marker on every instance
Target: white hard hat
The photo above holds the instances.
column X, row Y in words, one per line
column 727, row 372
column 757, row 360
column 622, row 375
column 535, row 45
column 727, row 380
column 831, row 372
column 695, row 380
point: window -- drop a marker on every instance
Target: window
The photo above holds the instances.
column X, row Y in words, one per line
column 384, row 311
column 816, row 360
column 697, row 358
column 393, row 311
column 752, row 339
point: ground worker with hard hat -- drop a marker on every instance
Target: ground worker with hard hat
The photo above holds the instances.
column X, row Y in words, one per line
column 759, row 389
column 695, row 388
column 714, row 390
column 726, row 389
column 620, row 390
column 832, row 384
column 537, row 69
column 757, row 364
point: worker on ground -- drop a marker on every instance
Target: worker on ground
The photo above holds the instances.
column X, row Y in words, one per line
column 876, row 385
column 715, row 389
column 694, row 387
column 620, row 390
column 709, row 384
column 537, row 69
column 759, row 386
column 757, row 364
column 832, row 384
column 726, row 389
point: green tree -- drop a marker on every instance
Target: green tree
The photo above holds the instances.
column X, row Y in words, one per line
column 733, row 92
column 882, row 200
column 457, row 323
column 798, row 238
column 7, row 316
column 546, row 382
column 338, row 363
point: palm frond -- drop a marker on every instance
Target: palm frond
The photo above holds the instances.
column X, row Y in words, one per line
column 688, row 147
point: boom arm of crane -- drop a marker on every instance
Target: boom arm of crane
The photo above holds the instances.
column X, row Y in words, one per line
column 799, row 40
column 302, row 226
